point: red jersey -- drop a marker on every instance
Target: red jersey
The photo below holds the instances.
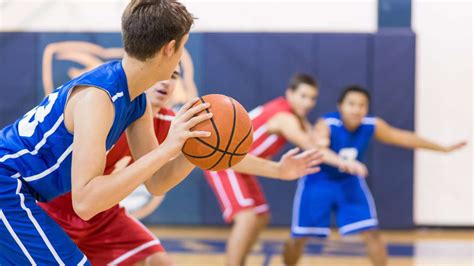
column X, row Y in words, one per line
column 120, row 153
column 101, row 238
column 265, row 144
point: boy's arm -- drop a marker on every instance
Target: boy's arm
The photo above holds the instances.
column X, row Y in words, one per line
column 142, row 140
column 322, row 135
column 408, row 139
column 291, row 165
column 92, row 191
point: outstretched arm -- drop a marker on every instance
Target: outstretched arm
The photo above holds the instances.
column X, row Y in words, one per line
column 292, row 165
column 408, row 139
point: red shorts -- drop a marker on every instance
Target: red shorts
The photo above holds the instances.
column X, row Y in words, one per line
column 235, row 192
column 110, row 237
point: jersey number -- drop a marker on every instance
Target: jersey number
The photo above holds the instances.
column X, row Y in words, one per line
column 28, row 124
column 348, row 153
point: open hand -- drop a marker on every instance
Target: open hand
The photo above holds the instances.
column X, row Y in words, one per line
column 180, row 129
column 294, row 165
column 456, row 146
column 354, row 167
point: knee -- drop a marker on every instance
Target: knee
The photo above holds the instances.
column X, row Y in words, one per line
column 372, row 236
column 159, row 259
column 263, row 219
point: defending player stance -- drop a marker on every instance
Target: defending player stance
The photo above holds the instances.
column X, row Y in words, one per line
column 346, row 133
column 61, row 145
column 240, row 196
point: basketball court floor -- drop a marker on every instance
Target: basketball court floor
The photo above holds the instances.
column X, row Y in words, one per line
column 206, row 246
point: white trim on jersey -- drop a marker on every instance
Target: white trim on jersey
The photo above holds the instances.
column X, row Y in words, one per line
column 264, row 145
column 357, row 225
column 83, row 261
column 368, row 196
column 17, row 175
column 134, row 251
column 295, row 219
column 16, row 238
column 117, row 95
column 331, row 121
column 259, row 132
column 165, row 117
column 36, row 224
column 256, row 112
column 234, row 183
column 52, row 168
column 38, row 146
column 222, row 195
column 261, row 208
column 369, row 121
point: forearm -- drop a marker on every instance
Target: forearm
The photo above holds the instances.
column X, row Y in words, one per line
column 331, row 158
column 170, row 175
column 412, row 141
column 105, row 191
column 254, row 165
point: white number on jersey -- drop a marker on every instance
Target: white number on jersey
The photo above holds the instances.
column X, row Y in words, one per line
column 27, row 126
column 348, row 153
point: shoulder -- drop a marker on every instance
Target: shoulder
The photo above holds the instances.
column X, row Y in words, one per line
column 332, row 119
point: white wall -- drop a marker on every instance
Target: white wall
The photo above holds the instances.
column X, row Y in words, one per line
column 444, row 102
column 214, row 15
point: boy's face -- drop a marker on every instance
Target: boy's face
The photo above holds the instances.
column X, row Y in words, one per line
column 302, row 99
column 354, row 108
column 160, row 93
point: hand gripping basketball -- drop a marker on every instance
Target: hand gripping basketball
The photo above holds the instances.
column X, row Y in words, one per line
column 187, row 117
column 231, row 138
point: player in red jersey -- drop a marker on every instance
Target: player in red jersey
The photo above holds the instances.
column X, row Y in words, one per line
column 102, row 239
column 241, row 199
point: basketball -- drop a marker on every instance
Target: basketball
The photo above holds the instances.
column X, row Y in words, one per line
column 231, row 135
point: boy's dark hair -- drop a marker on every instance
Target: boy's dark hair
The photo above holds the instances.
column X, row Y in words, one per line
column 353, row 88
column 302, row 78
column 147, row 25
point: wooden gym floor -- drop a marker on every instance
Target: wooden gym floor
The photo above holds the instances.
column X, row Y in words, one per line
column 206, row 246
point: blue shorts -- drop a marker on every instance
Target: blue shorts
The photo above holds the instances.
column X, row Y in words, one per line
column 317, row 197
column 28, row 236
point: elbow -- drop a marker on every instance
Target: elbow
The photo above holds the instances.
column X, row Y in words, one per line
column 82, row 209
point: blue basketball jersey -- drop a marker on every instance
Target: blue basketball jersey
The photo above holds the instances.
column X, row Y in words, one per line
column 350, row 145
column 37, row 148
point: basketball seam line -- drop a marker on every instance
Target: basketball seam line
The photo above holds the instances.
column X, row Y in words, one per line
column 238, row 145
column 231, row 134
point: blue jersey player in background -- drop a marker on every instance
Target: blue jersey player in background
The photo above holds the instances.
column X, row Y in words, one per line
column 60, row 145
column 340, row 186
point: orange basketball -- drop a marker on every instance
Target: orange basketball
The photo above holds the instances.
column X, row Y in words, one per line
column 231, row 135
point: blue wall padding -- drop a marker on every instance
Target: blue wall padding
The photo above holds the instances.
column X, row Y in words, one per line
column 394, row 100
column 18, row 75
column 254, row 68
column 394, row 13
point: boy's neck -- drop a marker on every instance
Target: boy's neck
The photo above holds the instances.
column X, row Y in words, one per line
column 141, row 75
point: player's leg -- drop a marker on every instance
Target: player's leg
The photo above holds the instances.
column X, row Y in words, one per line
column 238, row 197
column 311, row 216
column 357, row 214
column 375, row 247
column 244, row 233
column 29, row 235
column 293, row 249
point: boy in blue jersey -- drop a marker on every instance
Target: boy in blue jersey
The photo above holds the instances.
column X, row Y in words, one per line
column 61, row 145
column 340, row 186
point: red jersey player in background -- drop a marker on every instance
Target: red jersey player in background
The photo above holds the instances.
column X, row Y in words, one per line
column 241, row 199
column 102, row 238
